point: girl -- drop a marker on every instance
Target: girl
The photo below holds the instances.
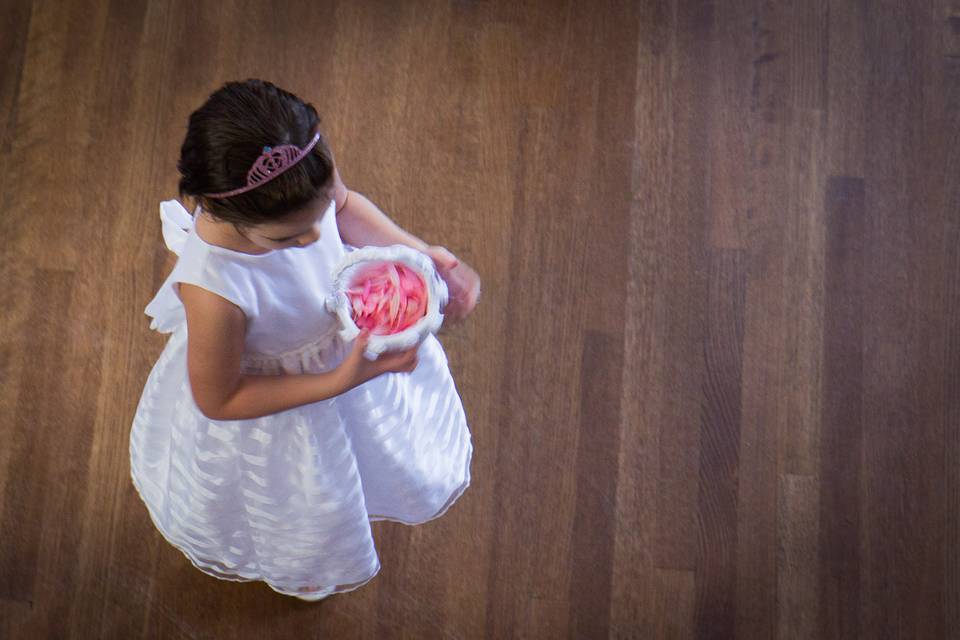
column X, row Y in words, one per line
column 262, row 445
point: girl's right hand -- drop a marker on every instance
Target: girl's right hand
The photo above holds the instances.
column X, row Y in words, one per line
column 356, row 369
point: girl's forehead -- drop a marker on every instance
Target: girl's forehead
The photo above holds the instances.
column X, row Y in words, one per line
column 295, row 221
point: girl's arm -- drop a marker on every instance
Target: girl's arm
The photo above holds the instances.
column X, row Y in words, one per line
column 361, row 223
column 256, row 396
column 215, row 341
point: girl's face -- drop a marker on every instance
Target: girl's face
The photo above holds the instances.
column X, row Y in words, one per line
column 299, row 229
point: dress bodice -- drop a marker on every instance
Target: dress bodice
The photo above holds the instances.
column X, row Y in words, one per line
column 281, row 292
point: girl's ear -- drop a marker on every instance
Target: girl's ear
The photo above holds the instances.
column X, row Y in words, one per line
column 339, row 189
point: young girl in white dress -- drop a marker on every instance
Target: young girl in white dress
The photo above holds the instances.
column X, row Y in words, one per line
column 263, row 446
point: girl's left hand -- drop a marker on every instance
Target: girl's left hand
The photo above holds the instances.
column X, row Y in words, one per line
column 463, row 283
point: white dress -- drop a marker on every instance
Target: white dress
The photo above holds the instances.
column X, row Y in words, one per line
column 288, row 498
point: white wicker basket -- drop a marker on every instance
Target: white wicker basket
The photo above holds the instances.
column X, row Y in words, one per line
column 338, row 302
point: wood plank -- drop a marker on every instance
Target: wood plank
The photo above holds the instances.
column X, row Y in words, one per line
column 592, row 546
column 635, row 609
column 684, row 287
column 797, row 576
column 949, row 92
column 902, row 544
column 32, row 466
column 720, row 418
column 711, row 382
column 842, row 436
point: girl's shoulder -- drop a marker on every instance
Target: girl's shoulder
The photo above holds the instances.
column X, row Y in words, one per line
column 216, row 275
column 200, row 299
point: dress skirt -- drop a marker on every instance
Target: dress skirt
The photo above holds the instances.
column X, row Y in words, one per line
column 288, row 498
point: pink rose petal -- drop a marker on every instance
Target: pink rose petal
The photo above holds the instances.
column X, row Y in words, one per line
column 387, row 297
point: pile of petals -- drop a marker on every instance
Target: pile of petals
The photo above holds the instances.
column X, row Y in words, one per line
column 387, row 298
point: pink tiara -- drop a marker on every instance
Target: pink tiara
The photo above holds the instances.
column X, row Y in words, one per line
column 271, row 163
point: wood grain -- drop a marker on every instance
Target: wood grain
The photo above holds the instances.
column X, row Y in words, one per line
column 714, row 378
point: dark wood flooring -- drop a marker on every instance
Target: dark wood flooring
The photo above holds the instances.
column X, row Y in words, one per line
column 714, row 378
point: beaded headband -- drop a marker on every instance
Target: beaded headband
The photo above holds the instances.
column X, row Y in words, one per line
column 271, row 163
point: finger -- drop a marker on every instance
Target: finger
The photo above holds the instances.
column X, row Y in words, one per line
column 471, row 297
column 410, row 360
column 397, row 361
column 405, row 362
column 453, row 311
column 359, row 344
column 443, row 258
column 474, row 298
column 412, row 364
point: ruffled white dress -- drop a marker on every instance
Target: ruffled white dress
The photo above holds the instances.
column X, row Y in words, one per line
column 288, row 498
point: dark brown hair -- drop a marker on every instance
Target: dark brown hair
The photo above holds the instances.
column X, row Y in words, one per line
column 227, row 134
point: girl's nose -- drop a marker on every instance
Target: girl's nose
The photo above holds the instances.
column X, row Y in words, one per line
column 312, row 236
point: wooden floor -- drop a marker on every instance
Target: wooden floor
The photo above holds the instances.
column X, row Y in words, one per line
column 714, row 379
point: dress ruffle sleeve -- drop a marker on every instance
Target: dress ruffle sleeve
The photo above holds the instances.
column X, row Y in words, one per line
column 165, row 309
column 207, row 271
